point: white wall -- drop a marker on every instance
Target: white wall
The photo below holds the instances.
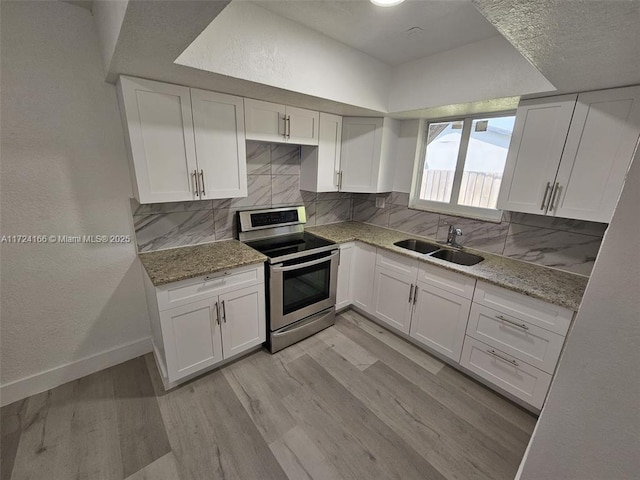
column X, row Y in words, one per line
column 248, row 42
column 590, row 427
column 64, row 171
column 109, row 15
column 483, row 70
column 405, row 159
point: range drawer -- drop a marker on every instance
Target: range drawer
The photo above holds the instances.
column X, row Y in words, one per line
column 447, row 280
column 186, row 291
column 514, row 376
column 531, row 310
column 524, row 341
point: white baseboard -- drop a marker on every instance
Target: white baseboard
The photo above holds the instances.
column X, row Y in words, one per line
column 41, row 382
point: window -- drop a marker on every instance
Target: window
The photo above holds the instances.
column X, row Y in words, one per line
column 461, row 166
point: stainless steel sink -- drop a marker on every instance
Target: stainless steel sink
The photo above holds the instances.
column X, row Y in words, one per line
column 417, row 246
column 455, row 256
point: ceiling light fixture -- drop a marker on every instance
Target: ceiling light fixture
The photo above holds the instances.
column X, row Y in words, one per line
column 386, row 3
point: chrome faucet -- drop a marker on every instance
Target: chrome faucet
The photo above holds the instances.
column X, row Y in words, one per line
column 454, row 232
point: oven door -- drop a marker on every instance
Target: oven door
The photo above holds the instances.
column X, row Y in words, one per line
column 301, row 287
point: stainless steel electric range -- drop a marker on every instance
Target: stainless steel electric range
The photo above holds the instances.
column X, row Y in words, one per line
column 302, row 273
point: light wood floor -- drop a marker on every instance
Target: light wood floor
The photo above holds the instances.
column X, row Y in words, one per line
column 353, row 402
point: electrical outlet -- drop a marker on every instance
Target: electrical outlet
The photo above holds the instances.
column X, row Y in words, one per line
column 379, row 202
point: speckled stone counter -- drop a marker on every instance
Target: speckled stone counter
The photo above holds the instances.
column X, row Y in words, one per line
column 166, row 266
column 553, row 286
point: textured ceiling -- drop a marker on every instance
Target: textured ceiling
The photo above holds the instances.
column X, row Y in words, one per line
column 577, row 45
column 383, row 32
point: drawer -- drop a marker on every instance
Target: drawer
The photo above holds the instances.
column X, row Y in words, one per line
column 531, row 310
column 397, row 263
column 176, row 294
column 511, row 375
column 447, row 280
column 524, row 341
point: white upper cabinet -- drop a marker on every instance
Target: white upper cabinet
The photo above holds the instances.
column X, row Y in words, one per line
column 602, row 138
column 159, row 134
column 218, row 120
column 534, row 154
column 184, row 144
column 270, row 122
column 320, row 167
column 569, row 158
column 368, row 154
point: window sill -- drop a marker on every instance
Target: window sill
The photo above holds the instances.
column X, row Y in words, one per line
column 473, row 213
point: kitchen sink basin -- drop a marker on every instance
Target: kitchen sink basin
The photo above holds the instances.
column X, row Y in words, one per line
column 417, row 246
column 460, row 258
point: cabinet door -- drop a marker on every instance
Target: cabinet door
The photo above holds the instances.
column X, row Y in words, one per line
column 600, row 145
column 243, row 319
column 192, row 338
column 343, row 294
column 440, row 320
column 159, row 133
column 393, row 298
column 302, row 126
column 360, row 154
column 218, row 121
column 363, row 270
column 534, row 154
column 264, row 121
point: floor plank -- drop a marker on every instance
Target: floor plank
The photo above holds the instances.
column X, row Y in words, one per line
column 142, row 435
column 390, row 453
column 301, row 459
column 505, row 417
column 413, row 353
column 11, row 424
column 71, row 432
column 352, row 402
column 164, row 468
column 439, row 450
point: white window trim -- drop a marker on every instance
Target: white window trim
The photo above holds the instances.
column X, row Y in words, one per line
column 415, row 202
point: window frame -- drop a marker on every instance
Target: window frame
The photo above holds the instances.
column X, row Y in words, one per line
column 449, row 208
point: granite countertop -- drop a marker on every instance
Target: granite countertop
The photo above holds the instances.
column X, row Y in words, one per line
column 554, row 286
column 173, row 265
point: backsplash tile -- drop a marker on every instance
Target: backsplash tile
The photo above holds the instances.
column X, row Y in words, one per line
column 273, row 179
column 554, row 248
column 168, row 230
column 570, row 245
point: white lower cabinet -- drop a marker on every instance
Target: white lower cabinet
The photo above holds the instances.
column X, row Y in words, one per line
column 505, row 339
column 514, row 341
column 344, row 298
column 196, row 335
column 361, row 282
column 440, row 320
column 508, row 373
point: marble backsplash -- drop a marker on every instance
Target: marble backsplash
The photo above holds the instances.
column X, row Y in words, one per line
column 569, row 245
column 273, row 179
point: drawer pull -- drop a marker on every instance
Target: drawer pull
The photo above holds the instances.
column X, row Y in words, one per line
column 513, row 362
column 516, row 324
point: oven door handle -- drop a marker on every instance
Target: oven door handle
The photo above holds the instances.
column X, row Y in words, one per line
column 280, row 268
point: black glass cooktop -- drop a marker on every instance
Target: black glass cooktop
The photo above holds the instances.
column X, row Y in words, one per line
column 288, row 244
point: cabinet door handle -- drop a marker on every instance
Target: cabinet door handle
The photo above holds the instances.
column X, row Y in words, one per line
column 552, row 205
column 217, row 314
column 411, row 293
column 202, row 179
column 546, row 192
column 340, row 181
column 196, row 185
column 516, row 324
column 415, row 295
column 224, row 313
column 288, row 127
column 512, row 362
